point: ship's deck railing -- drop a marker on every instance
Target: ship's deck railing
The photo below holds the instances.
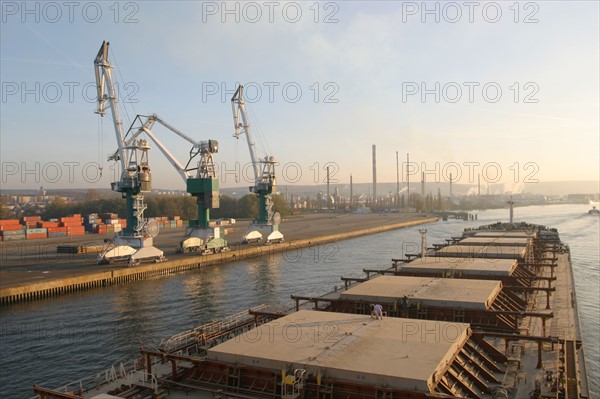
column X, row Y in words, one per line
column 207, row 330
column 122, row 370
column 140, row 377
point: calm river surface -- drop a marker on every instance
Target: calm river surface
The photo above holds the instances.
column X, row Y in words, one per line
column 60, row 340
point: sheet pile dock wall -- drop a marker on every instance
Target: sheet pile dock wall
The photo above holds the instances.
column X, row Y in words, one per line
column 123, row 275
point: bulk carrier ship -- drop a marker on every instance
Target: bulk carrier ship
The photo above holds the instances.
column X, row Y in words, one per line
column 489, row 314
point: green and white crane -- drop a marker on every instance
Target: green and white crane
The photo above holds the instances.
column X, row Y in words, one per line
column 264, row 186
column 199, row 175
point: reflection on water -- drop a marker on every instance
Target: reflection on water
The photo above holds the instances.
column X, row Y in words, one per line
column 58, row 340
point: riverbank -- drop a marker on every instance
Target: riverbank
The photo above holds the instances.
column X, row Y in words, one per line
column 33, row 271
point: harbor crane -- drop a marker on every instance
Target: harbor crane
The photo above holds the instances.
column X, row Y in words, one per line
column 266, row 222
column 199, row 174
column 135, row 242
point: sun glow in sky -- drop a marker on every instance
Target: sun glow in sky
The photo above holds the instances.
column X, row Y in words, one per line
column 508, row 91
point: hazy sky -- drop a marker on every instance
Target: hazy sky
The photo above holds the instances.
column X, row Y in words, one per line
column 502, row 89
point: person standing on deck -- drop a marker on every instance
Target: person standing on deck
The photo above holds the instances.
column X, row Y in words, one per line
column 378, row 311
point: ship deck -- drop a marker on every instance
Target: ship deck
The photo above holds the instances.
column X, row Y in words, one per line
column 335, row 355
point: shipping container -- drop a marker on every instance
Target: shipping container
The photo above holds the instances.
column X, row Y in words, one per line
column 57, row 230
column 9, row 222
column 36, row 231
column 36, row 236
column 71, row 224
column 11, row 227
column 12, row 232
column 27, row 219
column 71, row 219
column 57, row 234
column 47, row 224
column 14, row 237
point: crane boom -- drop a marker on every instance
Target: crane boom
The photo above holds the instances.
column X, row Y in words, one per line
column 135, row 242
column 264, row 176
column 244, row 127
column 105, row 87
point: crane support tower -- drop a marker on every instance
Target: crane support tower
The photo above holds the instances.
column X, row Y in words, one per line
column 266, row 222
column 199, row 175
column 135, row 242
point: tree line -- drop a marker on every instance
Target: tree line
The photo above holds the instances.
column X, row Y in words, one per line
column 165, row 205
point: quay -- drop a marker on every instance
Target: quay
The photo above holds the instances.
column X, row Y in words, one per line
column 21, row 276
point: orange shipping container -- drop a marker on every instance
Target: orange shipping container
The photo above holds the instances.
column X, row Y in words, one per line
column 32, row 218
column 47, row 224
column 9, row 222
column 72, row 219
column 75, row 233
column 10, row 227
column 36, row 236
column 70, row 224
column 57, row 229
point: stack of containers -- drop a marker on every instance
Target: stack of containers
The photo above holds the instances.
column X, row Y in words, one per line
column 74, row 225
column 32, row 231
column 100, row 228
column 91, row 221
column 164, row 222
column 30, row 222
column 54, row 229
column 11, row 229
column 112, row 224
column 178, row 221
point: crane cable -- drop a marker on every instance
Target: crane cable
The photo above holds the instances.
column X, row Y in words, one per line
column 123, row 106
column 263, row 140
column 100, row 144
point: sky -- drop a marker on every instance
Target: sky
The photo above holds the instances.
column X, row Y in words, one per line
column 507, row 91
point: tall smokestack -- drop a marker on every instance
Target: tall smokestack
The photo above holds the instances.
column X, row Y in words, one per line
column 407, row 181
column 328, row 187
column 351, row 194
column 374, row 174
column 397, row 196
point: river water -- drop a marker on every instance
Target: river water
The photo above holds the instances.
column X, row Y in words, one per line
column 59, row 340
